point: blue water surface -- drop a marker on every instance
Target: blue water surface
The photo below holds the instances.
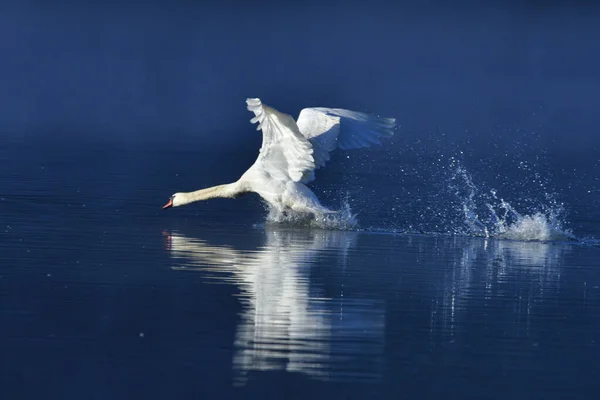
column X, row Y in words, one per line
column 472, row 272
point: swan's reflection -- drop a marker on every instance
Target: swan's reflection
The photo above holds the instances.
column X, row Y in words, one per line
column 287, row 323
column 520, row 275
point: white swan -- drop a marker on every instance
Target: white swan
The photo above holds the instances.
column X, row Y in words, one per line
column 290, row 153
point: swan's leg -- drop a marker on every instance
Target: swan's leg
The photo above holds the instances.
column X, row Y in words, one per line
column 311, row 209
column 300, row 198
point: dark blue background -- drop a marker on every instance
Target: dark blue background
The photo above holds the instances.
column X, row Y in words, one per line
column 181, row 70
column 107, row 109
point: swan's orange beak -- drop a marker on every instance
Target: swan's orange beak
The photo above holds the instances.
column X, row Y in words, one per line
column 169, row 204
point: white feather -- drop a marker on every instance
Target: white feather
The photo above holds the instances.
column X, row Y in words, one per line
column 291, row 152
column 329, row 128
column 285, row 152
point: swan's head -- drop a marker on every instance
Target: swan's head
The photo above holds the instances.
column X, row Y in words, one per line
column 175, row 201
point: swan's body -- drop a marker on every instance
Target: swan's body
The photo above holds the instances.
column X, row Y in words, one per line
column 291, row 152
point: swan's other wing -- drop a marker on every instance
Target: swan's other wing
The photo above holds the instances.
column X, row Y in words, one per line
column 285, row 152
column 329, row 128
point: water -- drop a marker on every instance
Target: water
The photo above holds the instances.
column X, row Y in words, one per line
column 464, row 261
column 104, row 293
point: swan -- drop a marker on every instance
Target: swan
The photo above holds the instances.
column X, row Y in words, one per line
column 291, row 151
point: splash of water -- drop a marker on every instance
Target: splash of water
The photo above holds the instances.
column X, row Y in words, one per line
column 487, row 215
column 342, row 219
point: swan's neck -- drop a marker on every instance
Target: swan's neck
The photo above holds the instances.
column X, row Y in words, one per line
column 228, row 190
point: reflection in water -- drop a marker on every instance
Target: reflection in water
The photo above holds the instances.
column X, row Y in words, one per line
column 518, row 275
column 287, row 323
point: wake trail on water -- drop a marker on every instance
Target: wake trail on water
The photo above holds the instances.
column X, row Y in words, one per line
column 485, row 214
column 461, row 208
column 342, row 219
column 477, row 213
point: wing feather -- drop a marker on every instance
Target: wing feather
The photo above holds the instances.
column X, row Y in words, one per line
column 285, row 153
column 329, row 128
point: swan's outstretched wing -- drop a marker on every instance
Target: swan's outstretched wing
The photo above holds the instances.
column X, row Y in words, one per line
column 285, row 153
column 329, row 128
